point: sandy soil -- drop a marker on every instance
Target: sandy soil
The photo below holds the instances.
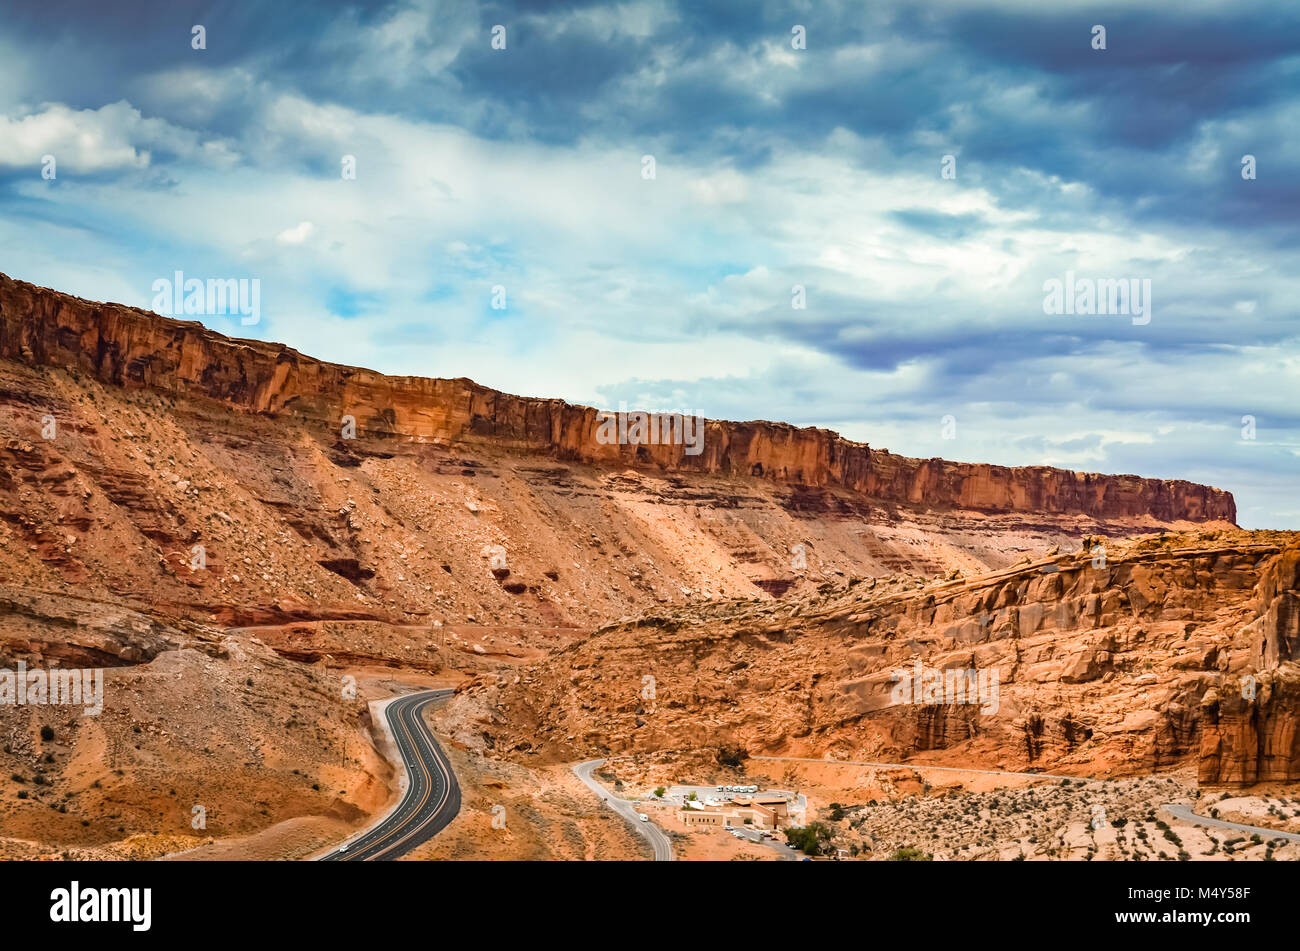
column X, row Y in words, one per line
column 542, row 813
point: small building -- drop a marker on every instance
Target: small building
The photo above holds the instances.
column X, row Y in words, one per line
column 779, row 805
column 759, row 811
column 760, row 817
column 692, row 817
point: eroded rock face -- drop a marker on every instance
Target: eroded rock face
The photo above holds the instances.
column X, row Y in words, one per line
column 124, row 346
column 1250, row 733
column 1117, row 669
column 1277, row 628
column 173, row 439
column 45, row 630
column 290, row 523
column 1251, row 739
column 198, row 489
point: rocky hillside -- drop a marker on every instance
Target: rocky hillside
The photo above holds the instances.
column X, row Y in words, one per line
column 124, row 346
column 200, row 734
column 184, row 510
column 122, row 431
column 1167, row 650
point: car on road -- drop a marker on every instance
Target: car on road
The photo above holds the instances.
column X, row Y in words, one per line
column 343, row 848
column 643, row 817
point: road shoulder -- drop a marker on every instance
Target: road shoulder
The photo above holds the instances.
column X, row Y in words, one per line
column 386, row 744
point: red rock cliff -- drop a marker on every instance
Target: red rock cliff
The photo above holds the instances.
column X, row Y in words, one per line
column 129, row 347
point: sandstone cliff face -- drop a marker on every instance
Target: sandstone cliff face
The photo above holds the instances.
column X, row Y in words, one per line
column 1251, row 733
column 123, row 346
column 1102, row 670
column 382, row 551
column 297, row 525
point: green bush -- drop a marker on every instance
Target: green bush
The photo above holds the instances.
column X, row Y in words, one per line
column 812, row 839
column 909, row 854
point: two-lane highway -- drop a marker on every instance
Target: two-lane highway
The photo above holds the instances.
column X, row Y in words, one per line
column 432, row 796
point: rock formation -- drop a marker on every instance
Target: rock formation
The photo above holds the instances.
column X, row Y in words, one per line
column 185, row 509
column 1104, row 667
column 1251, row 723
column 124, row 346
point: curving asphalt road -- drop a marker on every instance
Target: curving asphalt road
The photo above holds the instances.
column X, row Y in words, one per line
column 657, row 837
column 432, row 796
column 1184, row 812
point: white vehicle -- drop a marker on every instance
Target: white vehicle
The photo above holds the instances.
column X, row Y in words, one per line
column 643, row 817
column 343, row 848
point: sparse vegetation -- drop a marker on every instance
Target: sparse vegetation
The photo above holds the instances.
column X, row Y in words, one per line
column 812, row 839
column 908, row 854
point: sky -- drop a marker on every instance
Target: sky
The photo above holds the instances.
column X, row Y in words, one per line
column 843, row 215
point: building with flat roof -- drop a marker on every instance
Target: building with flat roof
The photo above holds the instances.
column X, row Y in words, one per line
column 692, row 817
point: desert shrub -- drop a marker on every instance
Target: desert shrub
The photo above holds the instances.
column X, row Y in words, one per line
column 812, row 839
column 909, row 854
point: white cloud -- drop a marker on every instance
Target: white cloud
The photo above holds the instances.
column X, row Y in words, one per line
column 113, row 137
column 297, row 234
column 89, row 140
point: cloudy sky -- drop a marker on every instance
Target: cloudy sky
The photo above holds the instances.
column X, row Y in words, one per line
column 774, row 167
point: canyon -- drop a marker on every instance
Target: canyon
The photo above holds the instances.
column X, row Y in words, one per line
column 195, row 514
